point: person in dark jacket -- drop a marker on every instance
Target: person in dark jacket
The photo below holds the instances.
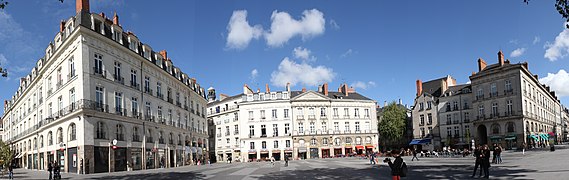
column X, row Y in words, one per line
column 477, row 163
column 414, row 155
column 395, row 165
column 485, row 154
column 11, row 171
column 50, row 168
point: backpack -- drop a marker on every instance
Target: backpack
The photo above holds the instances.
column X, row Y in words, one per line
column 403, row 169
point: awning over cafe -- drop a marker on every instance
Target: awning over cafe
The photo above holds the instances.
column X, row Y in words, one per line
column 359, row 147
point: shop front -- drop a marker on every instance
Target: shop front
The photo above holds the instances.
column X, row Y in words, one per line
column 337, row 152
column 511, row 141
column 42, row 163
column 314, row 153
column 359, row 149
column 288, row 152
column 61, row 160
column 135, row 158
column 276, row 154
column 151, row 158
column 348, row 150
column 264, row 155
column 302, row 152
column 252, row 155
column 72, row 160
column 325, row 153
column 36, row 161
column 101, row 159
column 369, row 148
column 120, row 159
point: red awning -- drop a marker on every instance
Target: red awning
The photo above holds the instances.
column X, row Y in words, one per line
column 359, row 147
column 370, row 146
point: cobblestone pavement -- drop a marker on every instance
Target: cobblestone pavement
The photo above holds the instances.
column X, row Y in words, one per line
column 533, row 165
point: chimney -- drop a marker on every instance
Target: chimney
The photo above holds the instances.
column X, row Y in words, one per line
column 247, row 89
column 303, row 89
column 81, row 5
column 258, row 90
column 343, row 89
column 419, row 84
column 481, row 64
column 320, row 89
column 164, row 54
column 62, row 26
column 116, row 19
column 525, row 64
column 325, row 89
column 267, row 89
column 288, row 87
column 500, row 58
column 384, row 103
column 400, row 102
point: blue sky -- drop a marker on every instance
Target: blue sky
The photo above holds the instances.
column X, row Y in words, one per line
column 379, row 47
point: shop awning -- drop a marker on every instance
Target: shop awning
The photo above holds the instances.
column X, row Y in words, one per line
column 276, row 151
column 359, row 147
column 544, row 136
column 419, row 141
column 301, row 149
column 495, row 137
column 19, row 155
column 534, row 137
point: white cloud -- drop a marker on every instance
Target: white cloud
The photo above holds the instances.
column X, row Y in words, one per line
column 558, row 82
column 284, row 27
column 559, row 48
column 240, row 32
column 536, row 40
column 334, row 24
column 347, row 53
column 3, row 60
column 518, row 52
column 468, row 82
column 254, row 74
column 363, row 85
column 303, row 53
column 513, row 41
column 300, row 73
column 21, row 46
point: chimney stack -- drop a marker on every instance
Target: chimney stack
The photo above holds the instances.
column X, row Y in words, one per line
column 164, row 54
column 500, row 58
column 343, row 89
column 81, row 5
column 62, row 26
column 384, row 103
column 116, row 19
column 258, row 90
column 419, row 84
column 400, row 102
column 325, row 89
column 481, row 64
column 288, row 86
column 267, row 89
column 303, row 89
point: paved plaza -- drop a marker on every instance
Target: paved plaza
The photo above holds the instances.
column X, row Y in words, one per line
column 533, row 165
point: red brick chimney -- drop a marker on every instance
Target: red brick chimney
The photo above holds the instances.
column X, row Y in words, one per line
column 343, row 89
column 419, row 87
column 288, row 86
column 500, row 58
column 164, row 54
column 81, row 5
column 481, row 64
column 62, row 26
column 267, row 89
column 116, row 19
column 303, row 89
column 325, row 89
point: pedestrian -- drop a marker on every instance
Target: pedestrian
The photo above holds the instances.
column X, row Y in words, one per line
column 415, row 155
column 50, row 168
column 286, row 160
column 499, row 154
column 494, row 153
column 486, row 161
column 272, row 161
column 10, row 171
column 478, row 161
column 372, row 158
column 56, row 169
column 396, row 166
column 524, row 146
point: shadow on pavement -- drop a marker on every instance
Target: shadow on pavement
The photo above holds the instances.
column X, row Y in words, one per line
column 331, row 173
column 464, row 172
column 152, row 176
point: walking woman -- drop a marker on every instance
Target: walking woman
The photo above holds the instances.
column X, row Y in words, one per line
column 486, row 161
column 478, row 161
column 396, row 165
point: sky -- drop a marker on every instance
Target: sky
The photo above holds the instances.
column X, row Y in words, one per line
column 379, row 47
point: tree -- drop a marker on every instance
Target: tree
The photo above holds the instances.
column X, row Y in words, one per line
column 6, row 155
column 392, row 125
column 562, row 7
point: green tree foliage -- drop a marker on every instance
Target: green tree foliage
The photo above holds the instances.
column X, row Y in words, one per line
column 6, row 155
column 392, row 125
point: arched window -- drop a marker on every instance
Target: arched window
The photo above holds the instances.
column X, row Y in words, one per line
column 179, row 139
column 170, row 138
column 35, row 143
column 337, row 141
column 101, row 132
column 358, row 140
column 368, row 140
column 120, row 132
column 301, row 142
column 149, row 138
column 161, row 137
column 59, row 135
column 41, row 141
column 325, row 141
column 313, row 142
column 135, row 134
column 348, row 140
column 49, row 138
column 72, row 132
column 495, row 128
column 510, row 127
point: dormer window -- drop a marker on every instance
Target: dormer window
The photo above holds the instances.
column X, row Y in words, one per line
column 117, row 36
column 133, row 44
column 159, row 61
column 146, row 52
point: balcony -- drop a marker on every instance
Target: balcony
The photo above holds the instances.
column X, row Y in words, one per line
column 323, row 117
column 311, row 117
column 118, row 79
column 508, row 91
column 170, row 100
column 149, row 118
column 71, row 75
column 99, row 71
column 160, row 95
column 161, row 140
column 136, row 114
column 235, row 132
column 134, row 85
column 346, row 116
column 148, row 91
column 58, row 84
column 300, row 117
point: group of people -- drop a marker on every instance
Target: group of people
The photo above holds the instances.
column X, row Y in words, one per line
column 482, row 154
column 497, row 154
column 55, row 168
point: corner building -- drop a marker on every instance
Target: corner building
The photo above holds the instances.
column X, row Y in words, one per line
column 97, row 84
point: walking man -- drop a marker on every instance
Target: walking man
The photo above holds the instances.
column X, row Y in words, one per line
column 478, row 155
column 286, row 160
column 524, row 148
column 10, row 171
column 486, row 161
column 396, row 166
column 499, row 154
column 49, row 168
column 415, row 155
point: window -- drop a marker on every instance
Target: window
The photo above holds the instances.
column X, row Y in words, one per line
column 300, row 127
column 236, row 129
column 348, row 140
column 495, row 109
column 285, row 113
column 59, row 78
column 422, row 132
column 101, row 131
column 347, row 127
column 313, row 142
column 479, row 93
column 275, row 130
column 510, row 127
column 264, row 145
column 466, row 117
column 119, row 135
column 358, row 140
column 422, row 117
column 99, row 97
column 430, row 130
column 322, row 112
column 135, row 134
column 337, row 141
column 98, row 63
column 72, row 132
column 251, row 130
column 509, row 105
column 59, row 135
column 287, row 129
column 263, row 131
column 251, row 115
column 325, row 141
column 449, row 119
column 262, row 114
column 324, row 127
column 117, row 76
column 421, row 106
column 429, row 104
column 41, row 141
column 481, row 111
column 274, row 113
column 336, row 126
column 312, row 130
column 118, row 103
column 227, row 130
column 366, row 111
column 456, row 131
column 508, row 86
column 147, row 84
column 134, row 105
column 287, row 143
column 275, row 144
column 429, row 119
column 71, row 68
column 252, row 145
column 346, row 113
column 449, row 131
column 72, row 98
column 335, row 112
column 493, row 90
column 160, row 114
column 495, row 128
column 357, row 126
column 159, row 90
column 356, row 112
column 49, row 138
column 133, row 82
